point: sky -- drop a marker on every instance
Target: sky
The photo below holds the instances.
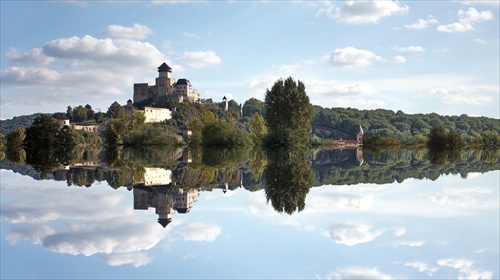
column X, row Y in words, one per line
column 413, row 56
column 417, row 229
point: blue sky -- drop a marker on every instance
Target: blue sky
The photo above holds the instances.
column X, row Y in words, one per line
column 414, row 56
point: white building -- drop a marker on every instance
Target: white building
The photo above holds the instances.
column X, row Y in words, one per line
column 153, row 114
column 157, row 176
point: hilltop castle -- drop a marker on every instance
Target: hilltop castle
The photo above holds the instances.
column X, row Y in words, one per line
column 165, row 85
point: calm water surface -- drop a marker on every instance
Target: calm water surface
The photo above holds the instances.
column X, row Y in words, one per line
column 394, row 216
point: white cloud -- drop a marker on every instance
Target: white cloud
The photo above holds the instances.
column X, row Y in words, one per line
column 422, row 23
column 351, row 57
column 465, row 269
column 115, row 54
column 66, row 71
column 136, row 32
column 398, row 59
column 200, row 232
column 356, row 272
column 352, row 234
column 335, row 88
column 479, row 41
column 466, row 20
column 200, row 59
column 422, row 267
column 411, row 49
column 359, row 103
column 33, row 57
column 461, row 95
column 360, row 12
column 136, row 259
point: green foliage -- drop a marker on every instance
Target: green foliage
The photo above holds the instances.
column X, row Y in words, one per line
column 114, row 133
column 288, row 179
column 288, row 113
column 80, row 113
column 441, row 139
column 488, row 139
column 219, row 133
column 253, row 106
column 15, row 138
column 115, row 111
column 258, row 129
column 336, row 123
column 377, row 141
column 148, row 135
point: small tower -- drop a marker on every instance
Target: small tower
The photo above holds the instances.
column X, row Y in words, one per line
column 241, row 110
column 226, row 105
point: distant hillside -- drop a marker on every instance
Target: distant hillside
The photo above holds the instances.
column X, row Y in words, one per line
column 20, row 121
column 408, row 128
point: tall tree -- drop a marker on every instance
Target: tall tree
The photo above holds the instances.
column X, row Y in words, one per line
column 288, row 113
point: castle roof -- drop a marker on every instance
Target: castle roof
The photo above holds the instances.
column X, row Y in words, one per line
column 60, row 116
column 164, row 68
column 164, row 222
column 181, row 82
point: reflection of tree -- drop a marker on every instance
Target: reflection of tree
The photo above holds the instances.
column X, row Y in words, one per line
column 288, row 179
column 441, row 156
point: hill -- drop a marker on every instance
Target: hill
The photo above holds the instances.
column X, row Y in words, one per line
column 20, row 121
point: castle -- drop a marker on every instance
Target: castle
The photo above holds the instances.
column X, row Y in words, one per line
column 165, row 85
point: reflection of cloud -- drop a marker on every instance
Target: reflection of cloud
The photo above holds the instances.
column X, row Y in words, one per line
column 357, row 272
column 136, row 259
column 352, row 234
column 411, row 243
column 66, row 223
column 105, row 237
column 200, row 232
column 399, row 232
column 464, row 198
column 465, row 269
column 422, row 267
column 330, row 202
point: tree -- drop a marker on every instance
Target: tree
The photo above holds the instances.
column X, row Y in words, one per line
column 15, row 138
column 289, row 177
column 258, row 127
column 43, row 134
column 115, row 111
column 288, row 113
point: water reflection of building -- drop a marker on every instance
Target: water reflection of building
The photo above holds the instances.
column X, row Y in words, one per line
column 165, row 200
column 157, row 176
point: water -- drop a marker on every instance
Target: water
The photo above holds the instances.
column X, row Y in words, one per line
column 387, row 215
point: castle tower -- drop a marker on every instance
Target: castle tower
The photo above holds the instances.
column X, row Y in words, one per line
column 164, row 81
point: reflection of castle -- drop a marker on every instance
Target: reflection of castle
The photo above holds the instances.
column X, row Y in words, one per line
column 165, row 200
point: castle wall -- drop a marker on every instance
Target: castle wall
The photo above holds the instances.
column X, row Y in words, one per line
column 141, row 92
